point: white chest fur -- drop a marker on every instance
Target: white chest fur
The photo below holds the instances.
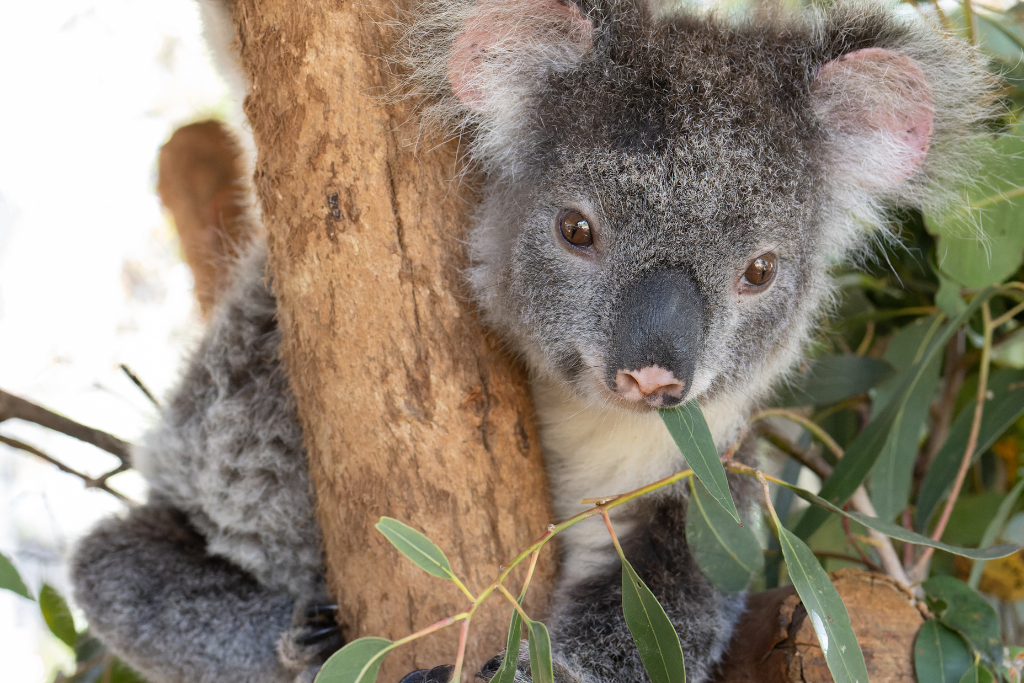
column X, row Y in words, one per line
column 594, row 450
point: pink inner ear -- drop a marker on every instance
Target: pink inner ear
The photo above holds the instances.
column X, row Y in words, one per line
column 879, row 90
column 507, row 26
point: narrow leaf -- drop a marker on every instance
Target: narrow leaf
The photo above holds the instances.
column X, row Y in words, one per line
column 940, row 655
column 57, row 615
column 507, row 671
column 1002, row 409
column 977, row 674
column 541, row 666
column 687, row 426
column 417, row 547
column 10, row 579
column 994, row 528
column 959, row 607
column 119, row 672
column 863, row 452
column 903, row 534
column 727, row 554
column 833, row 378
column 825, row 609
column 655, row 636
column 357, row 662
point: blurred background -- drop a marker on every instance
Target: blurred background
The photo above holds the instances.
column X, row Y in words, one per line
column 91, row 274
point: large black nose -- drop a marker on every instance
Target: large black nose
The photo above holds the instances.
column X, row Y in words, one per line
column 657, row 338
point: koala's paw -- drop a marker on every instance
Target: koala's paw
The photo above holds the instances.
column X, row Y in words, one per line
column 313, row 637
column 439, row 674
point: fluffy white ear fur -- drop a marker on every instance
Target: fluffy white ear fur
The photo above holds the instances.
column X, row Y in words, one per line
column 502, row 39
column 879, row 108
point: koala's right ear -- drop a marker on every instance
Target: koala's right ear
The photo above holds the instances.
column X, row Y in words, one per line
column 503, row 43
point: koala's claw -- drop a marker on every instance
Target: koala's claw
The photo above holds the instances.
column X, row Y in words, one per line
column 314, row 636
column 439, row 674
column 309, row 636
column 320, row 611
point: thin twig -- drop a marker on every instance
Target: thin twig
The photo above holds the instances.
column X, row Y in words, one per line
column 942, row 409
column 921, row 567
column 869, row 336
column 815, row 429
column 139, row 383
column 815, row 463
column 16, row 408
column 863, row 559
column 90, row 483
column 971, row 19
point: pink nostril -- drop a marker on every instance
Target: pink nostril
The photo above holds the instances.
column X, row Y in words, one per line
column 651, row 383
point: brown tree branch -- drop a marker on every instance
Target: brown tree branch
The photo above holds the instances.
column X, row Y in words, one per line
column 90, row 482
column 15, row 408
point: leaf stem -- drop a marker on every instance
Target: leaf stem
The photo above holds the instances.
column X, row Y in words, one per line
column 921, row 568
column 611, row 532
column 819, row 433
column 462, row 587
column 1006, row 317
column 461, row 656
column 515, row 603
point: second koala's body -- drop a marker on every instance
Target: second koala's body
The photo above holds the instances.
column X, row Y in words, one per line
column 664, row 195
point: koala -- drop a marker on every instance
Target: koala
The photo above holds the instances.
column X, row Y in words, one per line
column 664, row 194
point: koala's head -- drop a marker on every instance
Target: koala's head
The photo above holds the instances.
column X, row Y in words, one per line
column 664, row 196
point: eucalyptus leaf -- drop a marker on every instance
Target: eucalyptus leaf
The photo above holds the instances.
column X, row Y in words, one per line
column 831, row 379
column 994, row 528
column 948, row 297
column 727, row 554
column 977, row 674
column 10, row 579
column 961, row 608
column 507, row 671
column 357, row 662
column 119, row 672
column 655, row 636
column 982, row 243
column 689, row 430
column 940, row 655
column 57, row 615
column 541, row 664
column 417, row 547
column 1004, row 407
column 825, row 609
column 864, row 451
column 901, row 533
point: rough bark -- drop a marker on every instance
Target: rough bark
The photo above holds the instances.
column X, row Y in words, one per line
column 409, row 409
column 775, row 641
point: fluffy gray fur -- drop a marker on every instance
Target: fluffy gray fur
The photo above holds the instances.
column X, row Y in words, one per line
column 200, row 584
column 692, row 145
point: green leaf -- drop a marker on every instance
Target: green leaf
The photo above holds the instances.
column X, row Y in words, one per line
column 959, row 607
column 977, row 674
column 727, row 554
column 119, row 672
column 864, row 451
column 655, row 636
column 507, row 671
column 948, row 297
column 983, row 243
column 10, row 579
column 902, row 533
column 417, row 547
column 541, row 666
column 940, row 655
column 687, row 426
column 357, row 662
column 994, row 528
column 57, row 615
column 833, row 378
column 892, row 474
column 825, row 609
column 1005, row 407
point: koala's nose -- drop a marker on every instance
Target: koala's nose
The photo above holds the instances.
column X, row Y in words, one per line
column 652, row 384
column 657, row 337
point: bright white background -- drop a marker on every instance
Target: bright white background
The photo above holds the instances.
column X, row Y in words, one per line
column 90, row 275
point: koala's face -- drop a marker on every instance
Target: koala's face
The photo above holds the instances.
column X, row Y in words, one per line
column 662, row 196
column 644, row 278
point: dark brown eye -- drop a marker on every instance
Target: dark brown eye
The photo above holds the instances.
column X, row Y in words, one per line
column 575, row 229
column 760, row 271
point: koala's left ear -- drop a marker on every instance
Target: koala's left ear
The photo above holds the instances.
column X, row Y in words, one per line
column 878, row 107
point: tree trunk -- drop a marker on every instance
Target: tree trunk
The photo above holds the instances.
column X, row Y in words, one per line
column 408, row 408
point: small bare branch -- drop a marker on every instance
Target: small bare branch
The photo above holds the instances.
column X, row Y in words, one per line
column 90, row 482
column 15, row 408
column 139, row 383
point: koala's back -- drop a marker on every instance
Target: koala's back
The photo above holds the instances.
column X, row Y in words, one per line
column 228, row 449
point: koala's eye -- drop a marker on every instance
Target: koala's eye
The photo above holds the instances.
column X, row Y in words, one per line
column 575, row 228
column 760, row 271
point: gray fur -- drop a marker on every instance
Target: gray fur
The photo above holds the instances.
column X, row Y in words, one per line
column 692, row 145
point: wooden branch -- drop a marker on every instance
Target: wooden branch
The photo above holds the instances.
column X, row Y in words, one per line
column 15, row 408
column 90, row 482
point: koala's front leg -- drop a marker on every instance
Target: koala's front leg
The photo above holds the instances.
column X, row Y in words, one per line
column 591, row 641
